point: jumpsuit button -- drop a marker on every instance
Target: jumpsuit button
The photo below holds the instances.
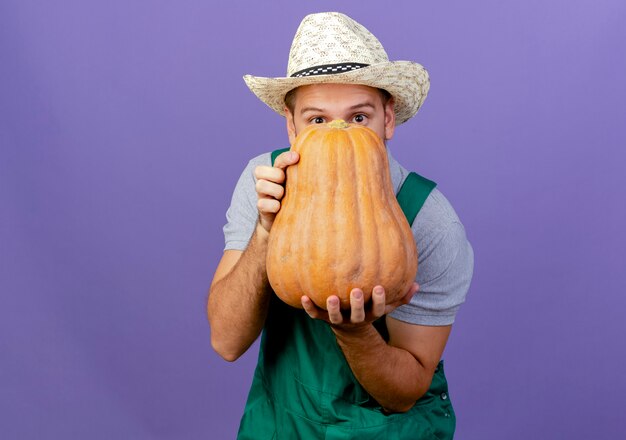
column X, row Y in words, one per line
column 444, row 396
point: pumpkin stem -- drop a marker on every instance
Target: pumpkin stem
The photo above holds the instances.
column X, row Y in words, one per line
column 338, row 123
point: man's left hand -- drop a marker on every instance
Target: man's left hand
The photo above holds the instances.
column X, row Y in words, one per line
column 359, row 313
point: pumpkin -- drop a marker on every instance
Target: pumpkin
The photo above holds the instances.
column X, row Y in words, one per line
column 339, row 225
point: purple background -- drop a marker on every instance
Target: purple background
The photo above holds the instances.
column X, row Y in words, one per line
column 124, row 126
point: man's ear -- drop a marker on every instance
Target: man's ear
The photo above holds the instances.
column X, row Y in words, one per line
column 390, row 119
column 291, row 127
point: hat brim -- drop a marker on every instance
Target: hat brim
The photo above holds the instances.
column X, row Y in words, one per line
column 406, row 81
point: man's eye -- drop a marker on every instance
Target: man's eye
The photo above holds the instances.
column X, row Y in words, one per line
column 359, row 118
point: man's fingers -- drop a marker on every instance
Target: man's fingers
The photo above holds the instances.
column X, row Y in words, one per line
column 270, row 185
column 267, row 188
column 272, row 174
column 357, row 313
column 334, row 310
column 283, row 160
column 268, row 205
column 378, row 302
column 309, row 307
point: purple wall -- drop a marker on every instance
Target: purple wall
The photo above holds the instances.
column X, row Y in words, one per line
column 124, row 126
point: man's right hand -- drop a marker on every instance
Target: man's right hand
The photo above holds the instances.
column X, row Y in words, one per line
column 270, row 187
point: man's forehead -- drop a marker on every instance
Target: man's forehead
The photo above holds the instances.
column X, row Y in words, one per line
column 346, row 96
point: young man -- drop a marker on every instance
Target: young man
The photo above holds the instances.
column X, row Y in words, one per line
column 375, row 371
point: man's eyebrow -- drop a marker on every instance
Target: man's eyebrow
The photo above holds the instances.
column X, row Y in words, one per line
column 354, row 107
column 311, row 109
column 364, row 104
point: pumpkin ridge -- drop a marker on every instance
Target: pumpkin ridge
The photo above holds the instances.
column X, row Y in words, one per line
column 344, row 215
column 374, row 191
column 334, row 251
column 323, row 197
column 356, row 267
column 370, row 244
column 306, row 250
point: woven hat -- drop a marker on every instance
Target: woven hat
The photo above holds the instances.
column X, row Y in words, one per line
column 330, row 47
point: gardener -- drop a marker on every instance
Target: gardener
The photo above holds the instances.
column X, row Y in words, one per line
column 374, row 371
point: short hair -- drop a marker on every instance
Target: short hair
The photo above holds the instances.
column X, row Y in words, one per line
column 290, row 98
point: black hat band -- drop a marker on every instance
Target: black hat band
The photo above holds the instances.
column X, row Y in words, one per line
column 325, row 69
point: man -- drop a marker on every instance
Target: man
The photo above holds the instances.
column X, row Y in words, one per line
column 374, row 371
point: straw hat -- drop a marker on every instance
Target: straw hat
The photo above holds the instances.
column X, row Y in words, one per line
column 330, row 47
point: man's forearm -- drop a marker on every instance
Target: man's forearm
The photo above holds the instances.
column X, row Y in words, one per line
column 238, row 303
column 391, row 375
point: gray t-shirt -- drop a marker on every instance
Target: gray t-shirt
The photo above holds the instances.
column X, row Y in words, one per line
column 445, row 256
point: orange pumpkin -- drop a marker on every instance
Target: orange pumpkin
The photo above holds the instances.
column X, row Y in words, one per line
column 339, row 225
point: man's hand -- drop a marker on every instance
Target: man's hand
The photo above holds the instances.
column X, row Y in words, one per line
column 397, row 372
column 270, row 187
column 358, row 315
